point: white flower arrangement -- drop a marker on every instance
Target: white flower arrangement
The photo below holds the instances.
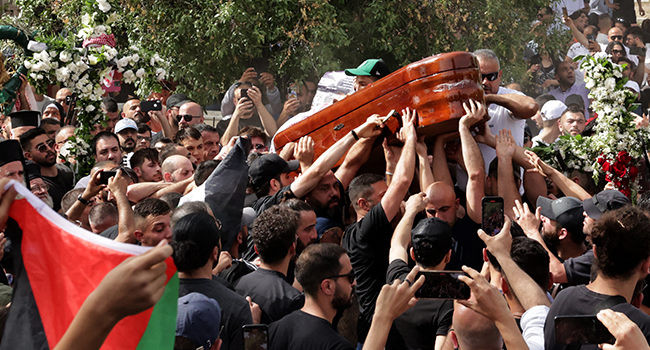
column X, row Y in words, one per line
column 616, row 148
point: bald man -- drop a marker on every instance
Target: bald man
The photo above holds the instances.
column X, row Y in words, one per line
column 177, row 168
column 189, row 114
column 61, row 98
column 474, row 331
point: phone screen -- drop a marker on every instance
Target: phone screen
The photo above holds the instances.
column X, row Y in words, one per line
column 442, row 285
column 256, row 337
column 565, row 12
column 581, row 330
column 492, row 215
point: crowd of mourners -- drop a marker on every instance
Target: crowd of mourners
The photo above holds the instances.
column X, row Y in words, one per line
column 328, row 249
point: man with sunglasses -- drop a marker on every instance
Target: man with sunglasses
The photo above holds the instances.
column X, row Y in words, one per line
column 326, row 275
column 274, row 238
column 507, row 109
column 190, row 113
column 39, row 148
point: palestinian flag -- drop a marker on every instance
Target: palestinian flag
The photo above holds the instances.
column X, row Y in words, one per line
column 57, row 266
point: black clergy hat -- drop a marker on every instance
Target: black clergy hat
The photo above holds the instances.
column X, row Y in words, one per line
column 24, row 118
column 10, row 151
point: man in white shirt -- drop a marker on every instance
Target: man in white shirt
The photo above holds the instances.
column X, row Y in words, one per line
column 551, row 112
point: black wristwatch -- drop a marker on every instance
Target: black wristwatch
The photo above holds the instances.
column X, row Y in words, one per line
column 82, row 200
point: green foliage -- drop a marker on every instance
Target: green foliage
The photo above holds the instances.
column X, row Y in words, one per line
column 210, row 42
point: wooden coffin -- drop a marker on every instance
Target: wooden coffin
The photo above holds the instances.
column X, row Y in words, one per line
column 436, row 87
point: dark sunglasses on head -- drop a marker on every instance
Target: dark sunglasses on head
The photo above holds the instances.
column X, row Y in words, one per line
column 350, row 276
column 617, row 37
column 43, row 146
column 490, row 76
column 187, row 117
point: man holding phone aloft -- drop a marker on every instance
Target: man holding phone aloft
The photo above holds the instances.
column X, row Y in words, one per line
column 431, row 250
column 249, row 111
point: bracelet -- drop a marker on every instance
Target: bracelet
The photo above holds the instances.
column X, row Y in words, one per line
column 354, row 134
column 388, row 173
column 82, row 200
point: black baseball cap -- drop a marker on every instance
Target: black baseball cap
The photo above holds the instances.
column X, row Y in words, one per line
column 177, row 100
column 604, row 201
column 268, row 166
column 567, row 211
column 435, row 232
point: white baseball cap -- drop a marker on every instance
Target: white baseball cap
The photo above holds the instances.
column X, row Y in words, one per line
column 125, row 124
column 552, row 110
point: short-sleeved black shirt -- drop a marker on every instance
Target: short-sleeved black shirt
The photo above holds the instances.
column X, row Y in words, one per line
column 468, row 248
column 271, row 292
column 368, row 243
column 261, row 204
column 302, row 331
column 578, row 269
column 235, row 312
column 59, row 184
column 418, row 327
column 579, row 300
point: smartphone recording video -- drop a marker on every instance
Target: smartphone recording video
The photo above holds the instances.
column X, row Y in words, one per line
column 442, row 285
column 492, row 215
column 256, row 337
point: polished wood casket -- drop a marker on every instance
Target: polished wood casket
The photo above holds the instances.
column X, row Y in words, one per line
column 435, row 86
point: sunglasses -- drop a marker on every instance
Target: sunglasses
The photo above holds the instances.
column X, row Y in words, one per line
column 349, row 275
column 187, row 117
column 620, row 52
column 617, row 37
column 140, row 138
column 490, row 76
column 42, row 147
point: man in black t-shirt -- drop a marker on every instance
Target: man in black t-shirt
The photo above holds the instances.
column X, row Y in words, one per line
column 39, row 148
column 195, row 239
column 368, row 240
column 621, row 247
column 432, row 242
column 326, row 275
column 274, row 236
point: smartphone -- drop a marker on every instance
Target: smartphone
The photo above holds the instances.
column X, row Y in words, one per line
column 638, row 51
column 565, row 12
column 591, row 37
column 256, row 337
column 442, row 285
column 244, row 94
column 581, row 330
column 492, row 215
column 105, row 175
column 68, row 100
column 293, row 93
column 146, row 106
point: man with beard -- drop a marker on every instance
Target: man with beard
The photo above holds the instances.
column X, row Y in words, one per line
column 145, row 164
column 572, row 121
column 37, row 185
column 127, row 133
column 566, row 77
column 211, row 140
column 11, row 161
column 562, row 221
column 306, row 233
column 327, row 277
column 39, row 148
column 131, row 110
column 274, row 238
column 431, row 242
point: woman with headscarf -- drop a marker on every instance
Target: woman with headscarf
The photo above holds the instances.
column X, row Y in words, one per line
column 53, row 110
